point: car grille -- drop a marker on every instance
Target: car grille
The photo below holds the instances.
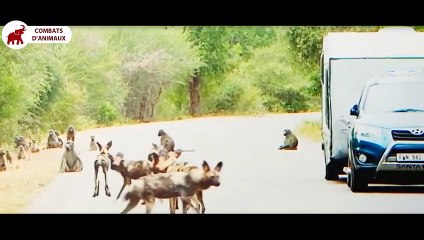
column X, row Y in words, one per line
column 405, row 135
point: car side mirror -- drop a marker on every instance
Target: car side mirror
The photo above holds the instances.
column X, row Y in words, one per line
column 354, row 111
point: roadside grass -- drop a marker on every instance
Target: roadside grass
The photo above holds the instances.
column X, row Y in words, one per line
column 310, row 129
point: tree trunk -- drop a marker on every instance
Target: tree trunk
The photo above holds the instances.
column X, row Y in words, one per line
column 194, row 89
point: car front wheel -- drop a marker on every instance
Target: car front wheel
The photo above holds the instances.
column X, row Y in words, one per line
column 356, row 181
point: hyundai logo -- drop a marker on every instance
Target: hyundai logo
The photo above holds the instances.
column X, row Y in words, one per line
column 417, row 131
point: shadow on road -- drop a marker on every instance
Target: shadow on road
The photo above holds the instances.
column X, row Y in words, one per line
column 419, row 189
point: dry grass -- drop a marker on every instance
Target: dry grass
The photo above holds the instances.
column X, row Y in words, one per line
column 23, row 180
column 310, row 129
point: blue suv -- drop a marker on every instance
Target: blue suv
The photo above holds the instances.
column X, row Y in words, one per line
column 386, row 141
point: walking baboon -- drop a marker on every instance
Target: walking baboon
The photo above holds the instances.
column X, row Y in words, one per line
column 2, row 161
column 70, row 160
column 21, row 153
column 8, row 157
column 290, row 142
column 70, row 135
column 166, row 141
column 102, row 160
column 93, row 145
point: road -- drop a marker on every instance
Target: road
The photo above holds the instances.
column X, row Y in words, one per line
column 255, row 178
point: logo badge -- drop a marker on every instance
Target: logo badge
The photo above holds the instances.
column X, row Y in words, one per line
column 16, row 34
column 417, row 131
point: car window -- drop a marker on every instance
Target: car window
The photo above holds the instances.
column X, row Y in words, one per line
column 394, row 97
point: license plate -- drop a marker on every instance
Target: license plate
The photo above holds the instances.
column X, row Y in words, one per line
column 404, row 157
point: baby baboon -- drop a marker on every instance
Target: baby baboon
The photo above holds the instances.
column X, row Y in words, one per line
column 70, row 135
column 290, row 142
column 93, row 145
column 21, row 153
column 70, row 160
column 166, row 141
column 8, row 157
column 34, row 147
column 2, row 161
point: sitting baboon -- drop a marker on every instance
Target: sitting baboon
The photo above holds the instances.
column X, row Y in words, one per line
column 70, row 160
column 8, row 157
column 21, row 141
column 70, row 135
column 53, row 140
column 290, row 142
column 21, row 153
column 93, row 145
column 34, row 147
column 2, row 161
column 59, row 139
column 166, row 141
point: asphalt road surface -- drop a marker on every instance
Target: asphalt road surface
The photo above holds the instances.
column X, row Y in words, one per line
column 255, row 178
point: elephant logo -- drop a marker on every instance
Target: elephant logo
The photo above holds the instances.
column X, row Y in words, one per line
column 16, row 36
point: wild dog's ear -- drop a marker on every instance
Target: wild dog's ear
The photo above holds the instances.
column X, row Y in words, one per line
column 205, row 166
column 109, row 144
column 99, row 145
column 218, row 167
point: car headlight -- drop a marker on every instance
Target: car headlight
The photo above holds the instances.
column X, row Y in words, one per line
column 366, row 131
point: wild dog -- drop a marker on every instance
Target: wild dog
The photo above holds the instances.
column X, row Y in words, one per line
column 130, row 169
column 171, row 185
column 102, row 160
column 198, row 196
column 93, row 145
column 70, row 160
column 70, row 134
column 2, row 161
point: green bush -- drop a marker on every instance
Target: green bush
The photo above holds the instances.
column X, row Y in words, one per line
column 107, row 114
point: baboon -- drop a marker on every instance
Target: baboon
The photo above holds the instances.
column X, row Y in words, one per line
column 53, row 140
column 290, row 142
column 21, row 141
column 70, row 160
column 21, row 153
column 93, row 145
column 102, row 160
column 8, row 157
column 59, row 139
column 166, row 141
column 34, row 147
column 2, row 161
column 70, row 135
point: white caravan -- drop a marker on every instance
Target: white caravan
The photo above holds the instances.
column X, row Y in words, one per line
column 348, row 61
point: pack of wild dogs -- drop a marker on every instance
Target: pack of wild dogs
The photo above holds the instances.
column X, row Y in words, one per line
column 159, row 176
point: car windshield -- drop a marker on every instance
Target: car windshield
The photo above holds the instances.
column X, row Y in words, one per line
column 395, row 97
